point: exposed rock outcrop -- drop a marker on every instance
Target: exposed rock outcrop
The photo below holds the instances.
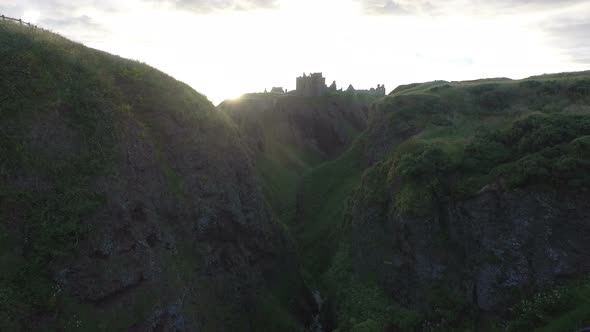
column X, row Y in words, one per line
column 491, row 248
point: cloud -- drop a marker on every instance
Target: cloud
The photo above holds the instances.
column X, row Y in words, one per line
column 564, row 23
column 85, row 19
column 572, row 39
column 396, row 7
column 60, row 15
column 380, row 7
column 83, row 22
column 60, row 10
column 471, row 7
column 208, row 6
column 56, row 7
column 519, row 3
column 516, row 7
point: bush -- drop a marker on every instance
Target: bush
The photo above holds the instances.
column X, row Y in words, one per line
column 492, row 97
column 423, row 172
column 550, row 149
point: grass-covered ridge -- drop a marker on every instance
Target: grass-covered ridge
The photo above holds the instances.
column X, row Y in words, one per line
column 459, row 137
column 48, row 217
column 66, row 112
column 438, row 142
column 454, row 140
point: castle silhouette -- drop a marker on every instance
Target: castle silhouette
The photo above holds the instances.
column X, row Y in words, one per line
column 314, row 85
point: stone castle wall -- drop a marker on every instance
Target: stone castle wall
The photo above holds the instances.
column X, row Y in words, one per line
column 311, row 86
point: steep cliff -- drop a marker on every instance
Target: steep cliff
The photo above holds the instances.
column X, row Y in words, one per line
column 289, row 135
column 473, row 196
column 127, row 202
column 478, row 197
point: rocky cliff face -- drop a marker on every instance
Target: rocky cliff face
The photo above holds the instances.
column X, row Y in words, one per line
column 477, row 192
column 127, row 202
column 490, row 249
column 202, row 252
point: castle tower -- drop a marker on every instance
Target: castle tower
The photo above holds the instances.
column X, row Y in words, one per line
column 313, row 85
column 333, row 87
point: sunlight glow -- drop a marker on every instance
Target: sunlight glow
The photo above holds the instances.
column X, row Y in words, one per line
column 224, row 54
column 31, row 16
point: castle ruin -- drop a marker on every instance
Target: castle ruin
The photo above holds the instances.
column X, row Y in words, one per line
column 278, row 89
column 379, row 91
column 313, row 85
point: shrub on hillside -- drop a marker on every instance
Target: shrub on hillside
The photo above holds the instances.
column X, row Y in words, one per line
column 492, row 97
column 538, row 149
column 423, row 173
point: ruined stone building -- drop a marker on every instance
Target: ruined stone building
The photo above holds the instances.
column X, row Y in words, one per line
column 313, row 85
column 278, row 90
column 379, row 91
column 333, row 87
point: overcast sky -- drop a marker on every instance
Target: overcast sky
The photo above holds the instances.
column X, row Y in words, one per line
column 224, row 48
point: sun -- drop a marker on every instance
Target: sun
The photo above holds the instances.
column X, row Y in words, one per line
column 31, row 16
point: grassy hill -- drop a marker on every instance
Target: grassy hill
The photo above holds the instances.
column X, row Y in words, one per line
column 127, row 202
column 431, row 142
column 503, row 124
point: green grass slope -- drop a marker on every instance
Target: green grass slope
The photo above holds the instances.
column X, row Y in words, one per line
column 280, row 169
column 322, row 231
column 472, row 133
column 52, row 87
column 449, row 139
column 85, row 135
column 290, row 135
column 321, row 206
